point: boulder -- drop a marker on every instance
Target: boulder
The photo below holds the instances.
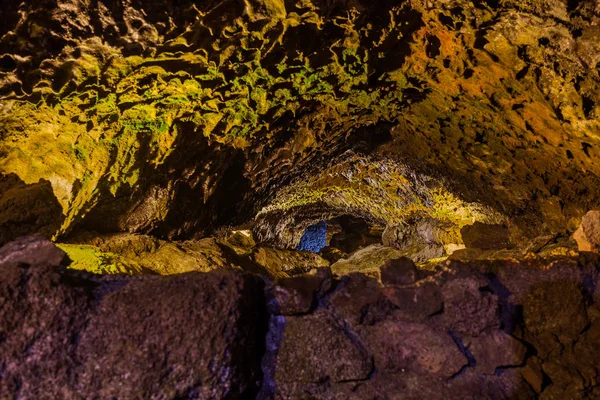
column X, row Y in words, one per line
column 418, row 239
column 366, row 261
column 136, row 254
column 401, row 271
column 191, row 335
column 27, row 209
column 316, row 348
column 587, row 235
column 485, row 236
column 284, row 263
column 298, row 294
column 67, row 335
column 32, row 250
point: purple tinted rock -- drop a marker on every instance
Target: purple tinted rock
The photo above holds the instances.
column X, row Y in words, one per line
column 31, row 250
column 416, row 303
column 297, row 295
column 401, row 271
column 467, row 310
column 316, row 348
column 191, row 335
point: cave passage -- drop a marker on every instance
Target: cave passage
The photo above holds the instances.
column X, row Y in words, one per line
column 314, row 238
column 280, row 199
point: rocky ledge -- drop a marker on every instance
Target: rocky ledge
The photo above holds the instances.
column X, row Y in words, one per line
column 467, row 330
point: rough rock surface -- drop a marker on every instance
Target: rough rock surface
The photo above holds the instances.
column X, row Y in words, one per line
column 67, row 336
column 485, row 236
column 283, row 263
column 588, row 233
column 142, row 253
column 152, row 124
column 177, row 118
column 31, row 250
column 367, row 261
column 503, row 330
column 419, row 239
column 27, row 209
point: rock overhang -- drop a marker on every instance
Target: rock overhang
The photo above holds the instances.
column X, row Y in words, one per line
column 178, row 120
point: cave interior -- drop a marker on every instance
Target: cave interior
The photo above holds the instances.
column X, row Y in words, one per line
column 300, row 199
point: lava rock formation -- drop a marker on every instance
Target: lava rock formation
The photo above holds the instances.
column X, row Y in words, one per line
column 299, row 199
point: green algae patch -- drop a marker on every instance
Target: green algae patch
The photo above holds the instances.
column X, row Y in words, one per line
column 91, row 259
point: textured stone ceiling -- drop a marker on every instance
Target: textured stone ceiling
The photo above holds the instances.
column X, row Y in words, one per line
column 438, row 159
column 179, row 118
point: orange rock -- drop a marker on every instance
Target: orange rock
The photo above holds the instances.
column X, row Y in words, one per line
column 588, row 234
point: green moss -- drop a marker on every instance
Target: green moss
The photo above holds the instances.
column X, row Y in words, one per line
column 89, row 258
column 80, row 153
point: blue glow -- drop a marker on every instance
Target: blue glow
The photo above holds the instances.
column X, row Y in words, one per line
column 314, row 238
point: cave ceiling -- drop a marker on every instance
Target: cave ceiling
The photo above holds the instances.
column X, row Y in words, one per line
column 178, row 119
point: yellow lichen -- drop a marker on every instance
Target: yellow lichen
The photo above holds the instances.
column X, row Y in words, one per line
column 91, row 259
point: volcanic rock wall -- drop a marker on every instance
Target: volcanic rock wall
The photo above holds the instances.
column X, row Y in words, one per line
column 501, row 330
column 177, row 118
column 130, row 130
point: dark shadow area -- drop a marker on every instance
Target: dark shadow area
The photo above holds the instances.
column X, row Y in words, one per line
column 27, row 208
column 347, row 234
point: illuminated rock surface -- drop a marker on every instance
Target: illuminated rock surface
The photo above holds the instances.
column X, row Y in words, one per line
column 177, row 119
column 438, row 159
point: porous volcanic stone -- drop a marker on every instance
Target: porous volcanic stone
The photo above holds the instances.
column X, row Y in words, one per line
column 401, row 271
column 471, row 330
column 31, row 250
column 588, row 234
column 485, row 236
column 65, row 335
